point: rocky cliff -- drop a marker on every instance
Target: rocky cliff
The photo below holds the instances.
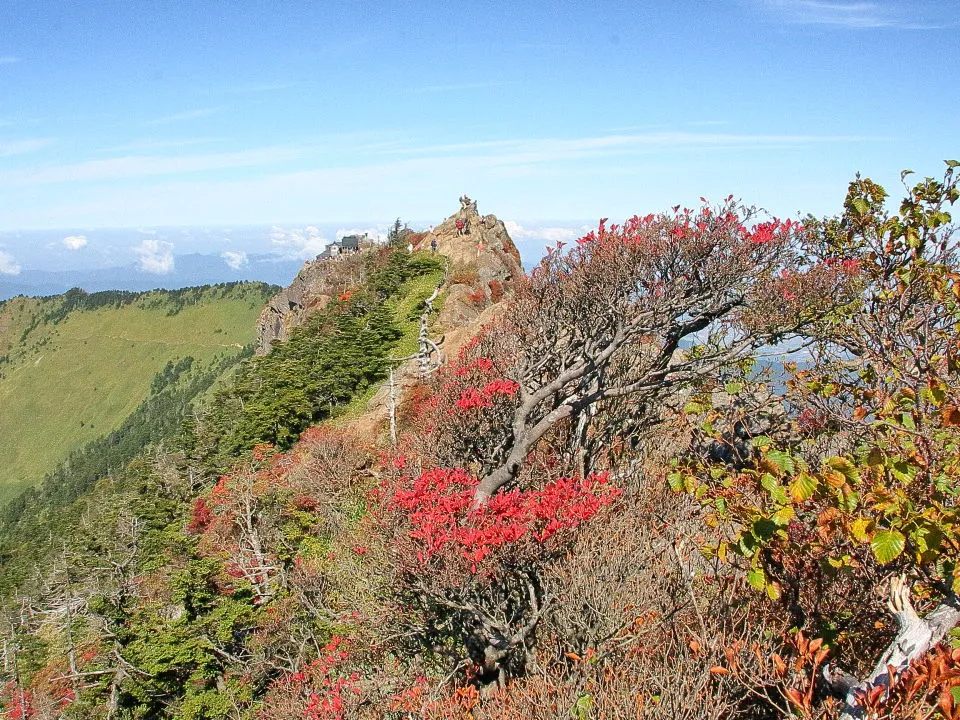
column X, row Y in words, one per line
column 317, row 282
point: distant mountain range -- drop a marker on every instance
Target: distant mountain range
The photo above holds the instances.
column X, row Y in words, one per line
column 189, row 270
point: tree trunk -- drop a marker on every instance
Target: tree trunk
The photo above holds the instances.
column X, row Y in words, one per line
column 916, row 636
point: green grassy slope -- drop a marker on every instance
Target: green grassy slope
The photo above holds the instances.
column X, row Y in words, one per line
column 70, row 371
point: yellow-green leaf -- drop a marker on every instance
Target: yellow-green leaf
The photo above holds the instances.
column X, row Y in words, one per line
column 676, row 481
column 783, row 516
column 803, row 487
column 887, row 545
column 860, row 529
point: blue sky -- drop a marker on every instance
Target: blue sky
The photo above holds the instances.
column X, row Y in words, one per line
column 348, row 114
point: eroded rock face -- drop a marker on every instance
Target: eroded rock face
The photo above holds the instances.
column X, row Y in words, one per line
column 317, row 282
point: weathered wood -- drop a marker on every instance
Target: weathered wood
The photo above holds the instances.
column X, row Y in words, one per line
column 916, row 636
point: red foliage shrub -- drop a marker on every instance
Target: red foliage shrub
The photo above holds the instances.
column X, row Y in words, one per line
column 443, row 519
column 200, row 517
column 320, row 691
column 17, row 705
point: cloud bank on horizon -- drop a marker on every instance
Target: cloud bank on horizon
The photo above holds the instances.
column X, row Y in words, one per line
column 235, row 259
column 333, row 119
column 8, row 265
column 156, row 256
column 75, row 242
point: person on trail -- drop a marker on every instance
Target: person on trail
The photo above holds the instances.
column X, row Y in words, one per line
column 433, row 246
column 459, row 227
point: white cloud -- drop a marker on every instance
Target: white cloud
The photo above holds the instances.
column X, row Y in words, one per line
column 19, row 147
column 152, row 144
column 156, row 256
column 298, row 243
column 550, row 234
column 8, row 266
column 855, row 14
column 179, row 117
column 134, row 166
column 75, row 242
column 235, row 260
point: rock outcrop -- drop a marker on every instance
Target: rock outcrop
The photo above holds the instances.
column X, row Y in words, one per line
column 483, row 264
column 317, row 282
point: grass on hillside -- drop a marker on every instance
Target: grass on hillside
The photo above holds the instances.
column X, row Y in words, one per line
column 70, row 382
column 406, row 307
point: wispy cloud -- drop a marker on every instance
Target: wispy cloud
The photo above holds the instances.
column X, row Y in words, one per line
column 858, row 14
column 175, row 191
column 533, row 150
column 181, row 116
column 135, row 166
column 156, row 256
column 8, row 265
column 153, row 145
column 75, row 242
column 8, row 59
column 20, row 147
column 235, row 260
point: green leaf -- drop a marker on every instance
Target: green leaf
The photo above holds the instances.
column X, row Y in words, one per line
column 782, row 460
column 761, row 441
column 764, row 529
column 757, row 579
column 952, row 163
column 861, row 206
column 693, row 408
column 582, row 707
column 887, row 545
column 776, row 490
column 733, row 387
